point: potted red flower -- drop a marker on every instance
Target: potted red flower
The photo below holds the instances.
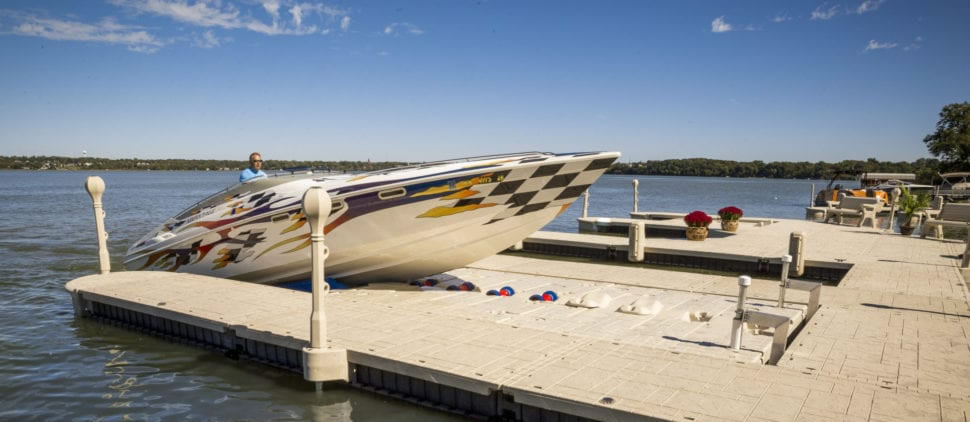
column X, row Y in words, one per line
column 697, row 223
column 730, row 216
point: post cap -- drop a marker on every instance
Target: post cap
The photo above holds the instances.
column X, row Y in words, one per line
column 95, row 187
column 316, row 207
column 744, row 281
column 786, row 258
column 636, row 182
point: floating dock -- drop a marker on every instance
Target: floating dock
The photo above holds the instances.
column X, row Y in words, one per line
column 889, row 342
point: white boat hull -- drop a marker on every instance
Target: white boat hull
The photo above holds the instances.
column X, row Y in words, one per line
column 392, row 226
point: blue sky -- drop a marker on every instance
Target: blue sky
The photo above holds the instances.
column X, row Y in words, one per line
column 426, row 80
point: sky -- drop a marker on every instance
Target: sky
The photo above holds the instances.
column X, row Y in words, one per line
column 430, row 80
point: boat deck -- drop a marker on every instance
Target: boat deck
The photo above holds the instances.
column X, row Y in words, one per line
column 889, row 342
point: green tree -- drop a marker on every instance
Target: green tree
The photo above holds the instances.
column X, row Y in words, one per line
column 951, row 141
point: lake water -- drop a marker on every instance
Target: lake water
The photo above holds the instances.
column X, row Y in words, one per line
column 56, row 367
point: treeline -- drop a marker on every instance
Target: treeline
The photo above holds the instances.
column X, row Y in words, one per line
column 924, row 168
column 95, row 163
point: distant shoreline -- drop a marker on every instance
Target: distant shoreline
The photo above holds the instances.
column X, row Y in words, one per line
column 925, row 168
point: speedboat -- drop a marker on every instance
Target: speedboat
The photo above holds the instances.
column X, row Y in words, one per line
column 390, row 225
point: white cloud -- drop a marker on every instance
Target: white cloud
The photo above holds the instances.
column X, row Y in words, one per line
column 916, row 44
column 401, row 27
column 780, row 18
column 824, row 14
column 345, row 23
column 719, row 25
column 868, row 6
column 874, row 45
column 273, row 8
column 297, row 13
column 215, row 13
column 750, row 27
column 106, row 31
column 200, row 13
column 206, row 40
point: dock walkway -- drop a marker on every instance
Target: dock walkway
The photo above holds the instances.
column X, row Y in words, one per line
column 889, row 343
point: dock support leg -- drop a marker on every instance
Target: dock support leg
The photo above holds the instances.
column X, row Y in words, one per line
column 95, row 187
column 320, row 363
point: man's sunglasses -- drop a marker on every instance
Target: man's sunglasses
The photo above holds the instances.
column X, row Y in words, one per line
column 257, row 161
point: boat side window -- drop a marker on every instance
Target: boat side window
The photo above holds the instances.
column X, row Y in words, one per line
column 392, row 193
column 336, row 206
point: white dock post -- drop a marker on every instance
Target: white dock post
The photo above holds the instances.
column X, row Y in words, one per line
column 636, row 195
column 743, row 283
column 811, row 199
column 785, row 264
column 320, row 363
column 585, row 203
column 95, row 187
column 637, row 240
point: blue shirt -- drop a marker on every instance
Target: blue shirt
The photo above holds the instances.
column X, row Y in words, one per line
column 249, row 174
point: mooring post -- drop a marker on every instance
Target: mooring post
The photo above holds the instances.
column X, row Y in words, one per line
column 636, row 195
column 320, row 363
column 95, row 187
column 785, row 263
column 743, row 283
column 811, row 199
column 585, row 203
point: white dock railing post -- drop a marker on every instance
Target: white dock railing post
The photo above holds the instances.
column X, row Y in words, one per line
column 743, row 283
column 636, row 195
column 95, row 187
column 586, row 203
column 811, row 199
column 320, row 363
column 785, row 264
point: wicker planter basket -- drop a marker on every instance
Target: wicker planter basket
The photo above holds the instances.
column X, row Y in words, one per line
column 729, row 225
column 696, row 233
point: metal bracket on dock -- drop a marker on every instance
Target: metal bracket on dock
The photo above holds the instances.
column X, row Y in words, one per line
column 814, row 289
column 742, row 316
column 780, row 323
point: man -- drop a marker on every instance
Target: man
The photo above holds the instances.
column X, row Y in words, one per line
column 255, row 168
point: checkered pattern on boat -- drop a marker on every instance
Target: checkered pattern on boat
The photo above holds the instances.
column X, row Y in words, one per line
column 531, row 189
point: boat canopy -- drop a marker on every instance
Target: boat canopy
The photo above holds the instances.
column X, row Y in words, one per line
column 955, row 174
column 888, row 176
